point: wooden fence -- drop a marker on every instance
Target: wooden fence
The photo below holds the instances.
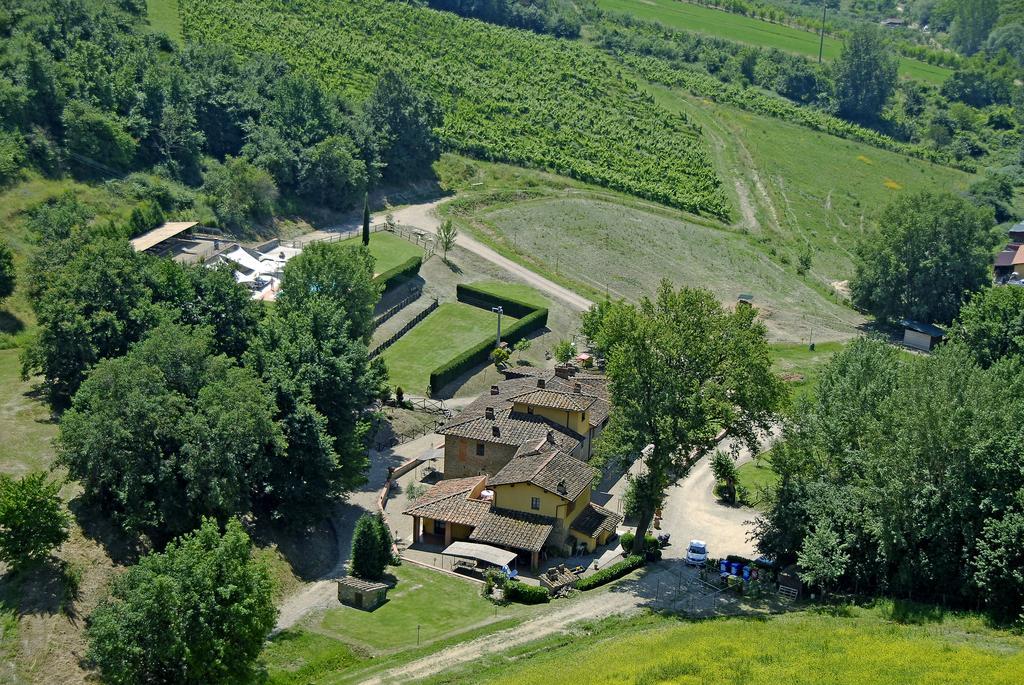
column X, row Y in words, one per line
column 405, row 329
column 414, row 295
column 334, row 237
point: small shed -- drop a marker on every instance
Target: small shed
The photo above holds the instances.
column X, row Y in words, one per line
column 361, row 594
column 921, row 336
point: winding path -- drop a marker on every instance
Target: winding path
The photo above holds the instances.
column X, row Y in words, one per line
column 424, row 216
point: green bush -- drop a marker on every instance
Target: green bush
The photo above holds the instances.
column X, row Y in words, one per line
column 409, row 267
column 653, row 547
column 516, row 591
column 479, row 353
column 613, row 572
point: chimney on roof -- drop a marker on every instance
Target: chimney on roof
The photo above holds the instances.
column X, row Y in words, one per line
column 561, row 487
column 577, row 388
column 551, row 437
column 495, row 431
column 495, row 390
column 540, row 382
column 489, row 413
column 565, row 371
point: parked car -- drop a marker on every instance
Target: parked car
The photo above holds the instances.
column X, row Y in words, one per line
column 696, row 553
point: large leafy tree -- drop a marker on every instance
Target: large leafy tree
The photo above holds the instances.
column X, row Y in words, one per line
column 198, row 613
column 323, row 381
column 206, row 296
column 865, row 75
column 170, row 433
column 682, row 371
column 931, row 250
column 91, row 308
column 991, row 324
column 338, row 273
column 403, row 123
column 33, row 520
column 972, row 24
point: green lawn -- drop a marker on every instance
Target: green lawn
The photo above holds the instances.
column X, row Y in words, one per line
column 757, row 476
column 799, row 366
column 164, row 17
column 25, row 423
column 736, row 27
column 855, row 646
column 346, row 644
column 515, row 291
column 445, row 334
column 388, row 250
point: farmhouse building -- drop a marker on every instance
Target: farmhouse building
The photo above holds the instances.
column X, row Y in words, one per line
column 539, row 500
column 563, row 407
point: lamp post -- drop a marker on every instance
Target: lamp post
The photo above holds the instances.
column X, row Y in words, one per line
column 499, row 311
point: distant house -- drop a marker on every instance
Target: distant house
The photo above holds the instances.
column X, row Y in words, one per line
column 539, row 500
column 921, row 336
column 894, row 23
column 1011, row 260
column 564, row 406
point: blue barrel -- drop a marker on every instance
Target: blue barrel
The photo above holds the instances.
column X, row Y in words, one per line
column 724, row 566
column 746, row 573
column 735, row 568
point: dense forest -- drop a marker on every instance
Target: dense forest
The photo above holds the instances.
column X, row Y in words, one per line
column 88, row 90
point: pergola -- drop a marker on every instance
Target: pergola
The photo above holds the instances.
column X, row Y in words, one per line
column 486, row 553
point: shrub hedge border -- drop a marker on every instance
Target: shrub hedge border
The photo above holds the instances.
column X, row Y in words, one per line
column 410, row 267
column 613, row 572
column 532, row 319
column 516, row 591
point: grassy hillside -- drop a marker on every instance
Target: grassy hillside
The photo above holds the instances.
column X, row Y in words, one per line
column 855, row 646
column 713, row 22
column 508, row 95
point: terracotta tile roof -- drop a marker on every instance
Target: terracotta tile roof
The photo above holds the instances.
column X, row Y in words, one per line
column 595, row 520
column 362, row 585
column 1008, row 255
column 449, row 501
column 514, row 529
column 554, row 471
column 555, row 399
column 599, row 411
column 511, row 428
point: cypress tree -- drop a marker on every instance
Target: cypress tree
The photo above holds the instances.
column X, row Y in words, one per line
column 366, row 559
column 386, row 541
column 366, row 219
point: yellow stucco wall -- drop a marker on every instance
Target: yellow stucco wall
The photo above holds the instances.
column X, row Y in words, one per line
column 570, row 419
column 518, row 498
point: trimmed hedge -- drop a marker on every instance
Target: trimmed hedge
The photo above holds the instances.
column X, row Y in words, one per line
column 533, row 319
column 516, row 591
column 409, row 267
column 613, row 572
column 470, row 294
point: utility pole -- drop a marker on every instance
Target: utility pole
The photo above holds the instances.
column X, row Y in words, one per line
column 499, row 311
column 821, row 45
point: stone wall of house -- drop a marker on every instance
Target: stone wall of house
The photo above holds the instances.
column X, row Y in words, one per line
column 461, row 459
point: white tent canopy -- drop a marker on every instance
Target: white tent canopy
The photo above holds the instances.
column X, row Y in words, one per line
column 474, row 550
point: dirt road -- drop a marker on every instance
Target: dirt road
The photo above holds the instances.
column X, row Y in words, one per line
column 627, row 597
column 424, row 216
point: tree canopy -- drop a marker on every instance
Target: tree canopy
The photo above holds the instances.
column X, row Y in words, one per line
column 903, row 474
column 170, row 433
column 197, row 614
column 931, row 250
column 865, row 75
column 991, row 325
column 682, row 371
column 33, row 520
